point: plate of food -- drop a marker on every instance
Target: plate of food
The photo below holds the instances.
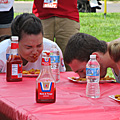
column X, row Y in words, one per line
column 106, row 79
column 77, row 79
column 115, row 97
column 31, row 73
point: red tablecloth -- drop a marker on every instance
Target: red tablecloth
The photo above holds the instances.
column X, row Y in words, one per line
column 17, row 101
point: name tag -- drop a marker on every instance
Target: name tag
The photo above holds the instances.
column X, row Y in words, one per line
column 50, row 4
column 3, row 1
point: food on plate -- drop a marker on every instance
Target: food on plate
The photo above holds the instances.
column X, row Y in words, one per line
column 107, row 78
column 79, row 79
column 25, row 72
column 37, row 71
column 84, row 79
column 31, row 71
column 117, row 97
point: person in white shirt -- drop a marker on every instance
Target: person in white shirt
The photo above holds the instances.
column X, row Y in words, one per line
column 31, row 42
column 114, row 51
column 6, row 16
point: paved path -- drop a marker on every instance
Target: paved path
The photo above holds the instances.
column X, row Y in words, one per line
column 111, row 7
column 21, row 6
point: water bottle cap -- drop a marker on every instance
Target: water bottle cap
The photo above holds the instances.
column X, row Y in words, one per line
column 92, row 56
column 14, row 37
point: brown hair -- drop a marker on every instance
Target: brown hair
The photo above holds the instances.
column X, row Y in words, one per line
column 27, row 23
column 114, row 50
column 80, row 46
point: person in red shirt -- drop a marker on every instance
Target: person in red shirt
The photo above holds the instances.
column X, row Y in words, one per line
column 60, row 19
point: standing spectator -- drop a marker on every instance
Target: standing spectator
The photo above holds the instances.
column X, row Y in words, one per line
column 60, row 19
column 6, row 16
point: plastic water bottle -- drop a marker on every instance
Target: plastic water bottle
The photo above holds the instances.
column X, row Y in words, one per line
column 93, row 77
column 8, row 51
column 55, row 63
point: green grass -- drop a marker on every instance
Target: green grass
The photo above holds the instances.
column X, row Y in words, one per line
column 95, row 24
column 24, row 0
column 104, row 29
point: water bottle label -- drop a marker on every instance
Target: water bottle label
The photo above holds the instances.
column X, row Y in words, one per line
column 55, row 59
column 62, row 62
column 92, row 71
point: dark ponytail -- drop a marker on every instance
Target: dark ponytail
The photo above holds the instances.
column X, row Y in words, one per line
column 27, row 23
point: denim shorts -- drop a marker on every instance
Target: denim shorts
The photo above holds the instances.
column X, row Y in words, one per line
column 6, row 18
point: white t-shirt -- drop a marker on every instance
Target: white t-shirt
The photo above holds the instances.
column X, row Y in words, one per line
column 116, row 77
column 6, row 5
column 47, row 44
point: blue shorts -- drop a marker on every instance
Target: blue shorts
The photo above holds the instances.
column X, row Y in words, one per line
column 6, row 18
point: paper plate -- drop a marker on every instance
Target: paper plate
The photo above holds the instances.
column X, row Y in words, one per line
column 76, row 79
column 30, row 75
column 113, row 97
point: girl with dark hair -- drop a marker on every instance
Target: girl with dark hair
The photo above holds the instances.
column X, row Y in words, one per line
column 31, row 42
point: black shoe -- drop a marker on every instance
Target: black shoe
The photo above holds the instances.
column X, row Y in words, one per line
column 99, row 3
